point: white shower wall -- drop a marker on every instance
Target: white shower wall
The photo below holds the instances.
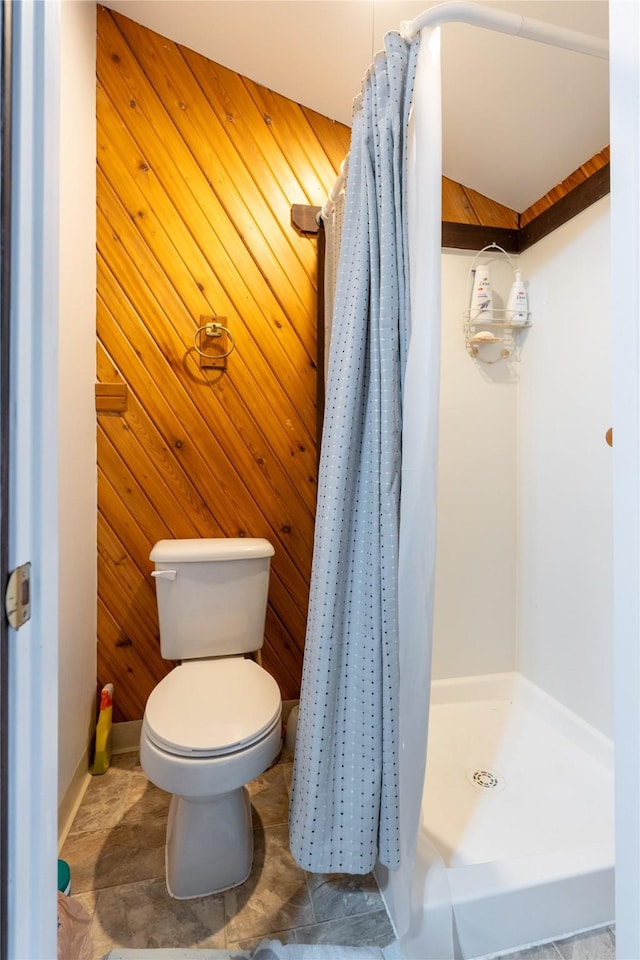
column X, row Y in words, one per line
column 475, row 610
column 524, row 560
column 565, row 510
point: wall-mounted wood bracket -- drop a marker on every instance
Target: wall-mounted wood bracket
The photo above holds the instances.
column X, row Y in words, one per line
column 304, row 219
column 111, row 397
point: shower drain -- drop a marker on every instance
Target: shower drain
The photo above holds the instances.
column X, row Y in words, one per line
column 486, row 779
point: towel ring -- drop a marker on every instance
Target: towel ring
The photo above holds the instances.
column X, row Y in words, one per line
column 213, row 330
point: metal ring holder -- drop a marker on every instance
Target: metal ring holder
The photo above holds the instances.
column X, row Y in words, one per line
column 213, row 329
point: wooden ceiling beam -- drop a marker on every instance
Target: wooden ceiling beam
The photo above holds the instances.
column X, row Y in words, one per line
column 470, row 221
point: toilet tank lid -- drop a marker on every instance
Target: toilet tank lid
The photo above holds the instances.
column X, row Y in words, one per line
column 206, row 549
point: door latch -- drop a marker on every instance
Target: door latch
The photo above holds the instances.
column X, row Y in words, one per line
column 17, row 600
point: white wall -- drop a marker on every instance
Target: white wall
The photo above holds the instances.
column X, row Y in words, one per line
column 77, row 425
column 524, row 564
column 565, row 544
column 475, row 608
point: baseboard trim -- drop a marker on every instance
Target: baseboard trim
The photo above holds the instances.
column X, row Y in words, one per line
column 68, row 806
column 125, row 736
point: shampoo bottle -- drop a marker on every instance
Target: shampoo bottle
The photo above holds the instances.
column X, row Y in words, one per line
column 517, row 302
column 102, row 755
column 481, row 306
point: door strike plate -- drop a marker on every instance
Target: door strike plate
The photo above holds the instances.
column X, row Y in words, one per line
column 17, row 598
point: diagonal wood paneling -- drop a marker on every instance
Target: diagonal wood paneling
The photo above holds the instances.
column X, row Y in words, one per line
column 579, row 176
column 197, row 171
column 461, row 204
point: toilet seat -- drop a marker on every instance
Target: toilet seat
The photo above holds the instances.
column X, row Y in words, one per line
column 212, row 708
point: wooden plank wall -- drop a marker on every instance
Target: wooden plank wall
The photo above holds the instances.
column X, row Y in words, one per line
column 197, row 171
column 461, row 204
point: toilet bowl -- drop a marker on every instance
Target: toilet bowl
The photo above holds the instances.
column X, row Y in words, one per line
column 209, row 728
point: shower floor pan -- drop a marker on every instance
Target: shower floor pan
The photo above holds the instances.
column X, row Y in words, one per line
column 518, row 804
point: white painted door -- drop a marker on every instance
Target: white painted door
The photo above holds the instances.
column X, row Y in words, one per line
column 625, row 282
column 33, row 499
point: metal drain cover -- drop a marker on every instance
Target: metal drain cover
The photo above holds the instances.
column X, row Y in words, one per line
column 486, row 779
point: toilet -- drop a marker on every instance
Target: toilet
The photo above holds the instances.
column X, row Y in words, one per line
column 214, row 722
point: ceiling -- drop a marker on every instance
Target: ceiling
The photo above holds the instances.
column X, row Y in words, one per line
column 519, row 116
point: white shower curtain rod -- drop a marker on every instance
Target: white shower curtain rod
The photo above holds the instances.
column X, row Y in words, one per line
column 513, row 24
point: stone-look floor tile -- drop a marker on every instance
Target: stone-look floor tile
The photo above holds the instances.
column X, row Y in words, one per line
column 275, row 897
column 124, row 854
column 284, row 936
column 546, row 951
column 339, row 895
column 269, row 798
column 103, row 802
column 595, row 945
column 368, row 930
column 118, row 875
column 143, row 800
column 127, row 761
column 105, row 798
column 143, row 915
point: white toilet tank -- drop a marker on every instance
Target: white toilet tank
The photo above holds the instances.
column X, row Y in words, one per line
column 212, row 596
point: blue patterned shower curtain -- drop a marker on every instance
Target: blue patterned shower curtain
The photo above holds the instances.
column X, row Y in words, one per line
column 344, row 806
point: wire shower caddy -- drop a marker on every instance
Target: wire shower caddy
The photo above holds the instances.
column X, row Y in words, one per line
column 482, row 331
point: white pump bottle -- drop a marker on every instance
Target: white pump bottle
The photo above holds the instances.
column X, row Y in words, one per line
column 517, row 302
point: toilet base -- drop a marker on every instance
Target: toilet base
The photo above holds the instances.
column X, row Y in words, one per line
column 209, row 844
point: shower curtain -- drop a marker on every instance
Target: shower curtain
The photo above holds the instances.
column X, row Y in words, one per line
column 344, row 806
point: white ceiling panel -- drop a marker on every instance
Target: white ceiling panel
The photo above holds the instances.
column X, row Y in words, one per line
column 519, row 116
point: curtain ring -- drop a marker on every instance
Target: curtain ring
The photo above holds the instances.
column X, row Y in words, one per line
column 213, row 330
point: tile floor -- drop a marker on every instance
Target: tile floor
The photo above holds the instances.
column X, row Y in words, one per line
column 597, row 945
column 115, row 850
column 116, row 853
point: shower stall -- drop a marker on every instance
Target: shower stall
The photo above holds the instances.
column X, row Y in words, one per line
column 515, row 844
column 515, row 841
